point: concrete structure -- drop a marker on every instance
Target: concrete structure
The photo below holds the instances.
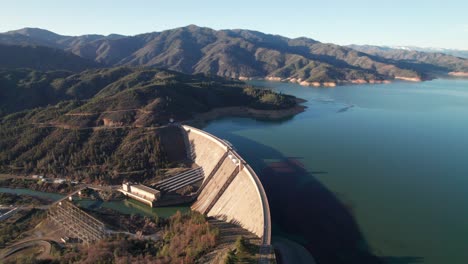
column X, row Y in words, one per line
column 180, row 180
column 141, row 193
column 59, row 181
column 231, row 191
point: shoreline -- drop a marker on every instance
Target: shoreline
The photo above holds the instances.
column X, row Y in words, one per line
column 243, row 111
column 458, row 74
column 335, row 83
column 329, row 84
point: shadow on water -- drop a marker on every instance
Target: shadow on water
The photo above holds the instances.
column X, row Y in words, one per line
column 275, row 121
column 306, row 210
column 403, row 260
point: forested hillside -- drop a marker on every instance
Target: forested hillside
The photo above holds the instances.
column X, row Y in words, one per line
column 107, row 125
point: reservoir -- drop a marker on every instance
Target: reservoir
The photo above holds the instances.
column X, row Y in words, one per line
column 368, row 173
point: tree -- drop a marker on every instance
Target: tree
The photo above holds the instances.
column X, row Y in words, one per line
column 156, row 219
column 230, row 257
column 242, row 245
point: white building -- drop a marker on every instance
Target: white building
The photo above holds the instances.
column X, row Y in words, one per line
column 141, row 193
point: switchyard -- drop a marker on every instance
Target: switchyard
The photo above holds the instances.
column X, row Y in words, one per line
column 76, row 222
column 220, row 185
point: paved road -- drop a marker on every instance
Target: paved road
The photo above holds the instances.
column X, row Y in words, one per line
column 43, row 242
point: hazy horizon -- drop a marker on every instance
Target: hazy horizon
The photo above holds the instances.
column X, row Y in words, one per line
column 362, row 22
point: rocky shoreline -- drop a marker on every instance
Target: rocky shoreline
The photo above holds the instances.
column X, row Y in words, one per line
column 458, row 74
column 330, row 83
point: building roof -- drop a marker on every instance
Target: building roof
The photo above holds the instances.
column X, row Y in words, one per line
column 145, row 188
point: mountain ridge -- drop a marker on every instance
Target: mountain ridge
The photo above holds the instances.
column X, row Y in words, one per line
column 42, row 58
column 242, row 54
column 453, row 52
column 450, row 63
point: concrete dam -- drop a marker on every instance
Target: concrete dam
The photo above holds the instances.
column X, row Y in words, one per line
column 231, row 191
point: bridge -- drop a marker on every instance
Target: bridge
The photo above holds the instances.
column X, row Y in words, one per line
column 81, row 187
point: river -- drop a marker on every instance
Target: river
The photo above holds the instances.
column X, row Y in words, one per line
column 368, row 173
column 125, row 206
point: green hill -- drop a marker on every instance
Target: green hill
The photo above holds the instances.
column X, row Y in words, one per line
column 106, row 125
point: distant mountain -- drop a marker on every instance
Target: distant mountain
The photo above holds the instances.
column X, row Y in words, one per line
column 242, row 54
column 432, row 61
column 42, row 58
column 37, row 36
column 29, row 36
column 228, row 53
column 453, row 52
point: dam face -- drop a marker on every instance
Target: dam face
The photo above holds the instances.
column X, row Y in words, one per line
column 231, row 191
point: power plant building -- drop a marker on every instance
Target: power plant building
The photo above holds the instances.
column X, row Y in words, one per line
column 141, row 193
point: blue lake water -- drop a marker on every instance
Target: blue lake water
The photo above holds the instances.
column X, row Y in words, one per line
column 367, row 174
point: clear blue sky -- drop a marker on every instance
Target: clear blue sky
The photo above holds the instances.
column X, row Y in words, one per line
column 391, row 22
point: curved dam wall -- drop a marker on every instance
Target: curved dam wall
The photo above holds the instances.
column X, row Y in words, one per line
column 231, row 191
